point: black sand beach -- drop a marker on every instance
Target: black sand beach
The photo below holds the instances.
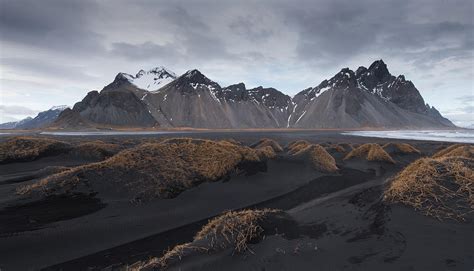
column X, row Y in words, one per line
column 339, row 220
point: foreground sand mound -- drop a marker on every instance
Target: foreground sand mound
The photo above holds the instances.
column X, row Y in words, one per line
column 370, row 152
column 400, row 148
column 161, row 170
column 24, row 148
column 441, row 188
column 456, row 150
column 234, row 229
column 264, row 142
column 319, row 157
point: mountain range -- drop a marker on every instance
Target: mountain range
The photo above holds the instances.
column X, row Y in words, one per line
column 366, row 98
column 43, row 119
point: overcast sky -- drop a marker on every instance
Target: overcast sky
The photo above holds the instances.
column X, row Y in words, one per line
column 54, row 52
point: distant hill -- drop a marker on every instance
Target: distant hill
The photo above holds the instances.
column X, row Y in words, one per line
column 43, row 119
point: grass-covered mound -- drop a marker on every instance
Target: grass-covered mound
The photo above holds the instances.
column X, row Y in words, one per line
column 441, row 188
column 160, row 170
column 370, row 152
column 96, row 149
column 456, row 150
column 22, row 148
column 264, row 142
column 400, row 148
column 335, row 148
column 296, row 146
column 320, row 159
column 266, row 152
column 234, row 229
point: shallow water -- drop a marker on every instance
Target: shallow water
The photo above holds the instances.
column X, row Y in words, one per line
column 459, row 136
column 112, row 133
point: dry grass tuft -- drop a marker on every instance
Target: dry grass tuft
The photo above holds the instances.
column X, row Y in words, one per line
column 174, row 254
column 233, row 141
column 96, row 149
column 297, row 146
column 235, row 229
column 264, row 142
column 336, row 148
column 24, row 148
column 456, row 150
column 266, row 152
column 319, row 157
column 400, row 148
column 371, row 152
column 442, row 188
column 160, row 170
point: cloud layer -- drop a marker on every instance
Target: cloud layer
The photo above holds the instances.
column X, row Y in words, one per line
column 54, row 51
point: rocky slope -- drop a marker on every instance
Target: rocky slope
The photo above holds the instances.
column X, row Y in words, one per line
column 368, row 97
column 193, row 100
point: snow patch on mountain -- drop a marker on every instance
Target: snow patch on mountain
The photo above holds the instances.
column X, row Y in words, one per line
column 59, row 107
column 151, row 80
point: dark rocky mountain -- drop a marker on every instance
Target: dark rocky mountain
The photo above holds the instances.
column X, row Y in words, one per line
column 193, row 100
column 71, row 119
column 117, row 107
column 43, row 119
column 369, row 97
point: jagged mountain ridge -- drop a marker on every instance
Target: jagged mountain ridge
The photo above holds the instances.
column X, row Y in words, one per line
column 369, row 97
column 193, row 100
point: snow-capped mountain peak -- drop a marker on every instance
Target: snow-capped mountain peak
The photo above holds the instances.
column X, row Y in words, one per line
column 152, row 79
column 59, row 107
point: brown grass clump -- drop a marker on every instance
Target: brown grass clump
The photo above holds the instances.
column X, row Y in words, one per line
column 456, row 150
column 371, row 152
column 266, row 152
column 297, row 146
column 400, row 148
column 336, row 148
column 319, row 157
column 235, row 229
column 264, row 142
column 442, row 187
column 24, row 148
column 153, row 170
column 96, row 149
column 233, row 141
column 175, row 254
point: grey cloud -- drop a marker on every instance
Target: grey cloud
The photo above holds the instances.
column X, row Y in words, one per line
column 16, row 110
column 62, row 26
column 25, row 66
column 332, row 31
column 144, row 51
column 250, row 27
column 73, row 39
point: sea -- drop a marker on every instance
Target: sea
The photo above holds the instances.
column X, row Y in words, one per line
column 458, row 136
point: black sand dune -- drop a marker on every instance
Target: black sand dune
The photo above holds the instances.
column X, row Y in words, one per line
column 339, row 220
